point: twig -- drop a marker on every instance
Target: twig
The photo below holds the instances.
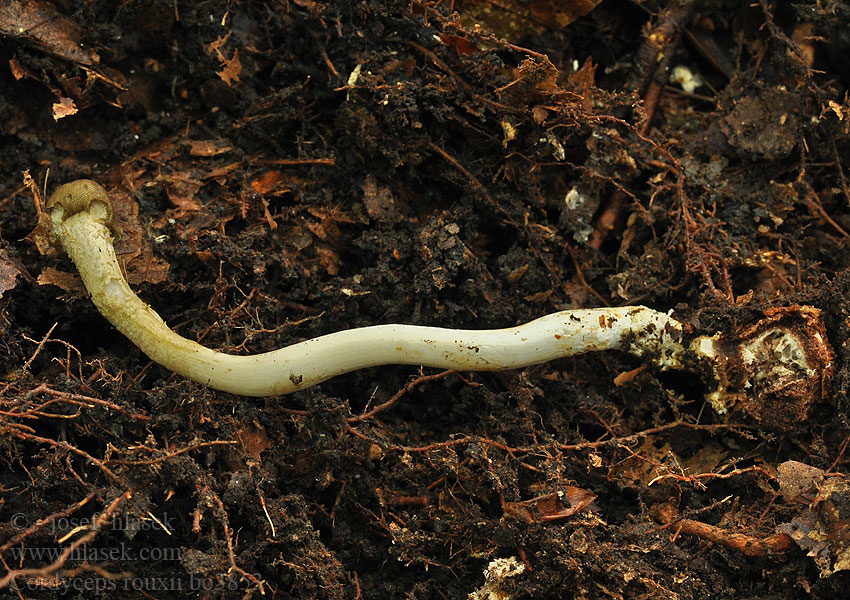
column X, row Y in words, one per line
column 409, row 386
column 225, row 523
column 745, row 544
column 17, row 431
column 40, row 523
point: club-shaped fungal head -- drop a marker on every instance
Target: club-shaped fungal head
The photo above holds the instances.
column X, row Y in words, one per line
column 82, row 195
column 776, row 370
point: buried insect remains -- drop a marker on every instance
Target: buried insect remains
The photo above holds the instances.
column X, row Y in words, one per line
column 783, row 361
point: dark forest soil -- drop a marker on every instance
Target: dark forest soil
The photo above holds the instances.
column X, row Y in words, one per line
column 283, row 170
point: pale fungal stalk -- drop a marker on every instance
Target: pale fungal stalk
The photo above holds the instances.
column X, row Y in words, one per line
column 786, row 350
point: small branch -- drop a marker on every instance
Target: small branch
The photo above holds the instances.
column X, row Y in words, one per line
column 225, row 523
column 745, row 544
column 409, row 386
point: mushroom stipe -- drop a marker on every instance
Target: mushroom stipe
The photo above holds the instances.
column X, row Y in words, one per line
column 784, row 358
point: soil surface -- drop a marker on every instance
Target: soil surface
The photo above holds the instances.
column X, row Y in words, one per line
column 282, row 170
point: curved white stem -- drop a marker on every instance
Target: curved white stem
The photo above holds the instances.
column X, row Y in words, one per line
column 86, row 238
column 784, row 357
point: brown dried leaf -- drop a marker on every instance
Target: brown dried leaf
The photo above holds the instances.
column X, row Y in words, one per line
column 514, row 19
column 334, row 214
column 64, row 108
column 796, row 478
column 582, row 81
column 182, row 192
column 539, row 114
column 232, row 69
column 8, row 272
column 40, row 24
column 133, row 248
column 379, row 201
column 550, row 507
column 215, row 47
column 644, row 465
column 707, row 459
column 823, row 529
column 461, row 45
column 329, row 259
column 232, row 66
column 40, row 236
column 254, row 440
column 534, row 79
column 69, row 282
column 268, row 182
column 18, row 70
column 222, row 171
column 208, row 147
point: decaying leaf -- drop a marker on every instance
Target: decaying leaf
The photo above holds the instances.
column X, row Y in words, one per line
column 232, row 69
column 823, row 528
column 41, row 25
column 182, row 192
column 254, row 440
column 64, row 108
column 379, row 201
column 798, row 481
column 269, row 181
column 208, row 147
column 18, row 70
column 550, row 507
column 40, row 235
column 514, row 19
column 8, row 272
column 536, row 79
column 232, row 66
column 69, row 282
column 134, row 248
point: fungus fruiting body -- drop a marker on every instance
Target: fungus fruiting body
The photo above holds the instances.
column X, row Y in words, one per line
column 785, row 353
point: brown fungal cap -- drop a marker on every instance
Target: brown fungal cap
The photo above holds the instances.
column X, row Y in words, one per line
column 82, row 195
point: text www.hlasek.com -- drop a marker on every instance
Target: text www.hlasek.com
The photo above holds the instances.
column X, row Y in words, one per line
column 86, row 553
